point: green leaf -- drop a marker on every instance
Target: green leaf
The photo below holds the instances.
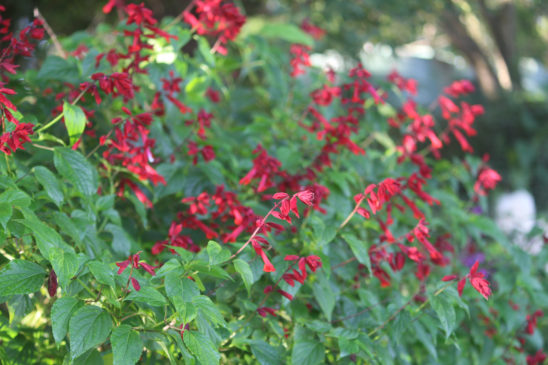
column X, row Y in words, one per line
column 147, row 295
column 75, row 121
column 57, row 68
column 120, row 240
column 47, row 179
column 359, row 249
column 5, row 213
column 205, row 51
column 265, row 353
column 308, row 352
column 102, row 272
column 76, row 169
column 21, row 277
column 201, row 347
column 445, row 312
column 126, row 345
column 324, row 295
column 348, row 347
column 287, row 32
column 209, row 309
column 15, row 198
column 244, row 270
column 89, row 327
column 425, row 338
column 90, row 357
column 216, row 253
column 65, row 265
column 61, row 311
column 46, row 237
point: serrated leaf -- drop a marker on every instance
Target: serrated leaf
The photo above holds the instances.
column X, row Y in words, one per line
column 57, row 68
column 120, row 240
column 47, row 179
column 307, row 352
column 102, row 272
column 89, row 327
column 147, row 295
column 126, row 345
column 61, row 311
column 359, row 249
column 65, row 265
column 15, row 198
column 244, row 270
column 5, row 214
column 208, row 309
column 76, row 169
column 265, row 353
column 205, row 51
column 75, row 121
column 201, row 347
column 348, row 347
column 21, row 277
column 46, row 237
column 324, row 295
column 216, row 253
column 445, row 312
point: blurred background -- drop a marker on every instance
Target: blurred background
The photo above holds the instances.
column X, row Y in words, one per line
column 502, row 45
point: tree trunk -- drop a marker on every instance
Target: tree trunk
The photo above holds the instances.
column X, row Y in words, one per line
column 461, row 40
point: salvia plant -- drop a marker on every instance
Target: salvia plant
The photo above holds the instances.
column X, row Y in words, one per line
column 193, row 190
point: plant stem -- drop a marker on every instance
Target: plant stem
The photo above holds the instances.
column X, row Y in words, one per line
column 256, row 230
column 57, row 118
column 351, row 214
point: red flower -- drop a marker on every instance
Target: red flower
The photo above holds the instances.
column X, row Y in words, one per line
column 487, row 180
column 306, row 197
column 458, row 88
column 477, row 280
column 52, row 283
column 409, row 85
column 213, row 95
column 300, row 59
column 314, row 31
column 135, row 284
column 263, row 311
column 135, row 264
column 449, row 277
column 537, row 358
column 532, row 321
column 325, row 95
column 285, row 294
column 215, row 18
column 268, row 267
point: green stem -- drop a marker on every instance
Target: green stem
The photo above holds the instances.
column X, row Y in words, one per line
column 86, row 287
column 58, row 118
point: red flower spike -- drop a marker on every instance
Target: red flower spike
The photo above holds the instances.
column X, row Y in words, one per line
column 536, row 359
column 313, row 262
column 291, row 257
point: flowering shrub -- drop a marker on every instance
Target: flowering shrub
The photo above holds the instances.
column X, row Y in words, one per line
column 234, row 204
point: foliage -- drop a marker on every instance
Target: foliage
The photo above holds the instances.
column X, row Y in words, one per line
column 238, row 205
